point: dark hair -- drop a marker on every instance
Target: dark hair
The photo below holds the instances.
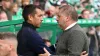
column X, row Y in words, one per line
column 0, row 0
column 7, row 35
column 85, row 2
column 29, row 9
column 84, row 11
column 64, row 2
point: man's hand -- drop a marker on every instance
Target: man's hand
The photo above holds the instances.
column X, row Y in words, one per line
column 84, row 53
column 45, row 54
column 48, row 54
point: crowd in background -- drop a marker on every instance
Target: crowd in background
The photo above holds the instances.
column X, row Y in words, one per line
column 12, row 9
column 86, row 9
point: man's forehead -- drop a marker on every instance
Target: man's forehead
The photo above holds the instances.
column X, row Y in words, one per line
column 2, row 42
column 59, row 12
column 10, row 40
column 39, row 11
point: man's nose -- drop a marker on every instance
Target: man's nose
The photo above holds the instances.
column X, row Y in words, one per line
column 56, row 19
column 42, row 19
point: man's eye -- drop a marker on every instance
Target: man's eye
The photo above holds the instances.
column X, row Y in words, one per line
column 40, row 15
column 58, row 16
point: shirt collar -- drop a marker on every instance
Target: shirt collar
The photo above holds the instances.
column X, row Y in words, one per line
column 70, row 26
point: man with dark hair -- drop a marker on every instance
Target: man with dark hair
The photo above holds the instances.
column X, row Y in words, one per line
column 85, row 14
column 8, row 44
column 30, row 42
column 73, row 40
column 30, row 9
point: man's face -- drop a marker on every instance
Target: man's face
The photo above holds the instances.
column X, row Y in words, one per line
column 37, row 18
column 15, row 8
column 6, row 4
column 52, row 10
column 3, row 16
column 8, row 47
column 61, row 19
column 86, row 14
column 4, row 48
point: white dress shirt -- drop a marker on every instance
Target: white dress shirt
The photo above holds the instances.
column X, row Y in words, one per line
column 70, row 26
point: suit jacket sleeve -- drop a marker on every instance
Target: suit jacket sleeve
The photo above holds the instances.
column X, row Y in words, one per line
column 76, row 43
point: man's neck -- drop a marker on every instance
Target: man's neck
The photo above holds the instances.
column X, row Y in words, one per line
column 13, row 54
column 70, row 24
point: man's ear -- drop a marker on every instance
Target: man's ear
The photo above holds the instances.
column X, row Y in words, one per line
column 30, row 17
column 11, row 47
column 68, row 18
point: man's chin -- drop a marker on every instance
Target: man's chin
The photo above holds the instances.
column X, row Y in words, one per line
column 60, row 26
column 37, row 26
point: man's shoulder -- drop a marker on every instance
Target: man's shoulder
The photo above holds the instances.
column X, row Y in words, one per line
column 27, row 30
column 20, row 55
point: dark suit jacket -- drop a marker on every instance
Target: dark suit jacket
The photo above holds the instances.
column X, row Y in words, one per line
column 29, row 41
column 72, row 42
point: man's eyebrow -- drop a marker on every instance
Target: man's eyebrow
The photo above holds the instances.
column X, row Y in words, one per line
column 58, row 15
column 41, row 14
